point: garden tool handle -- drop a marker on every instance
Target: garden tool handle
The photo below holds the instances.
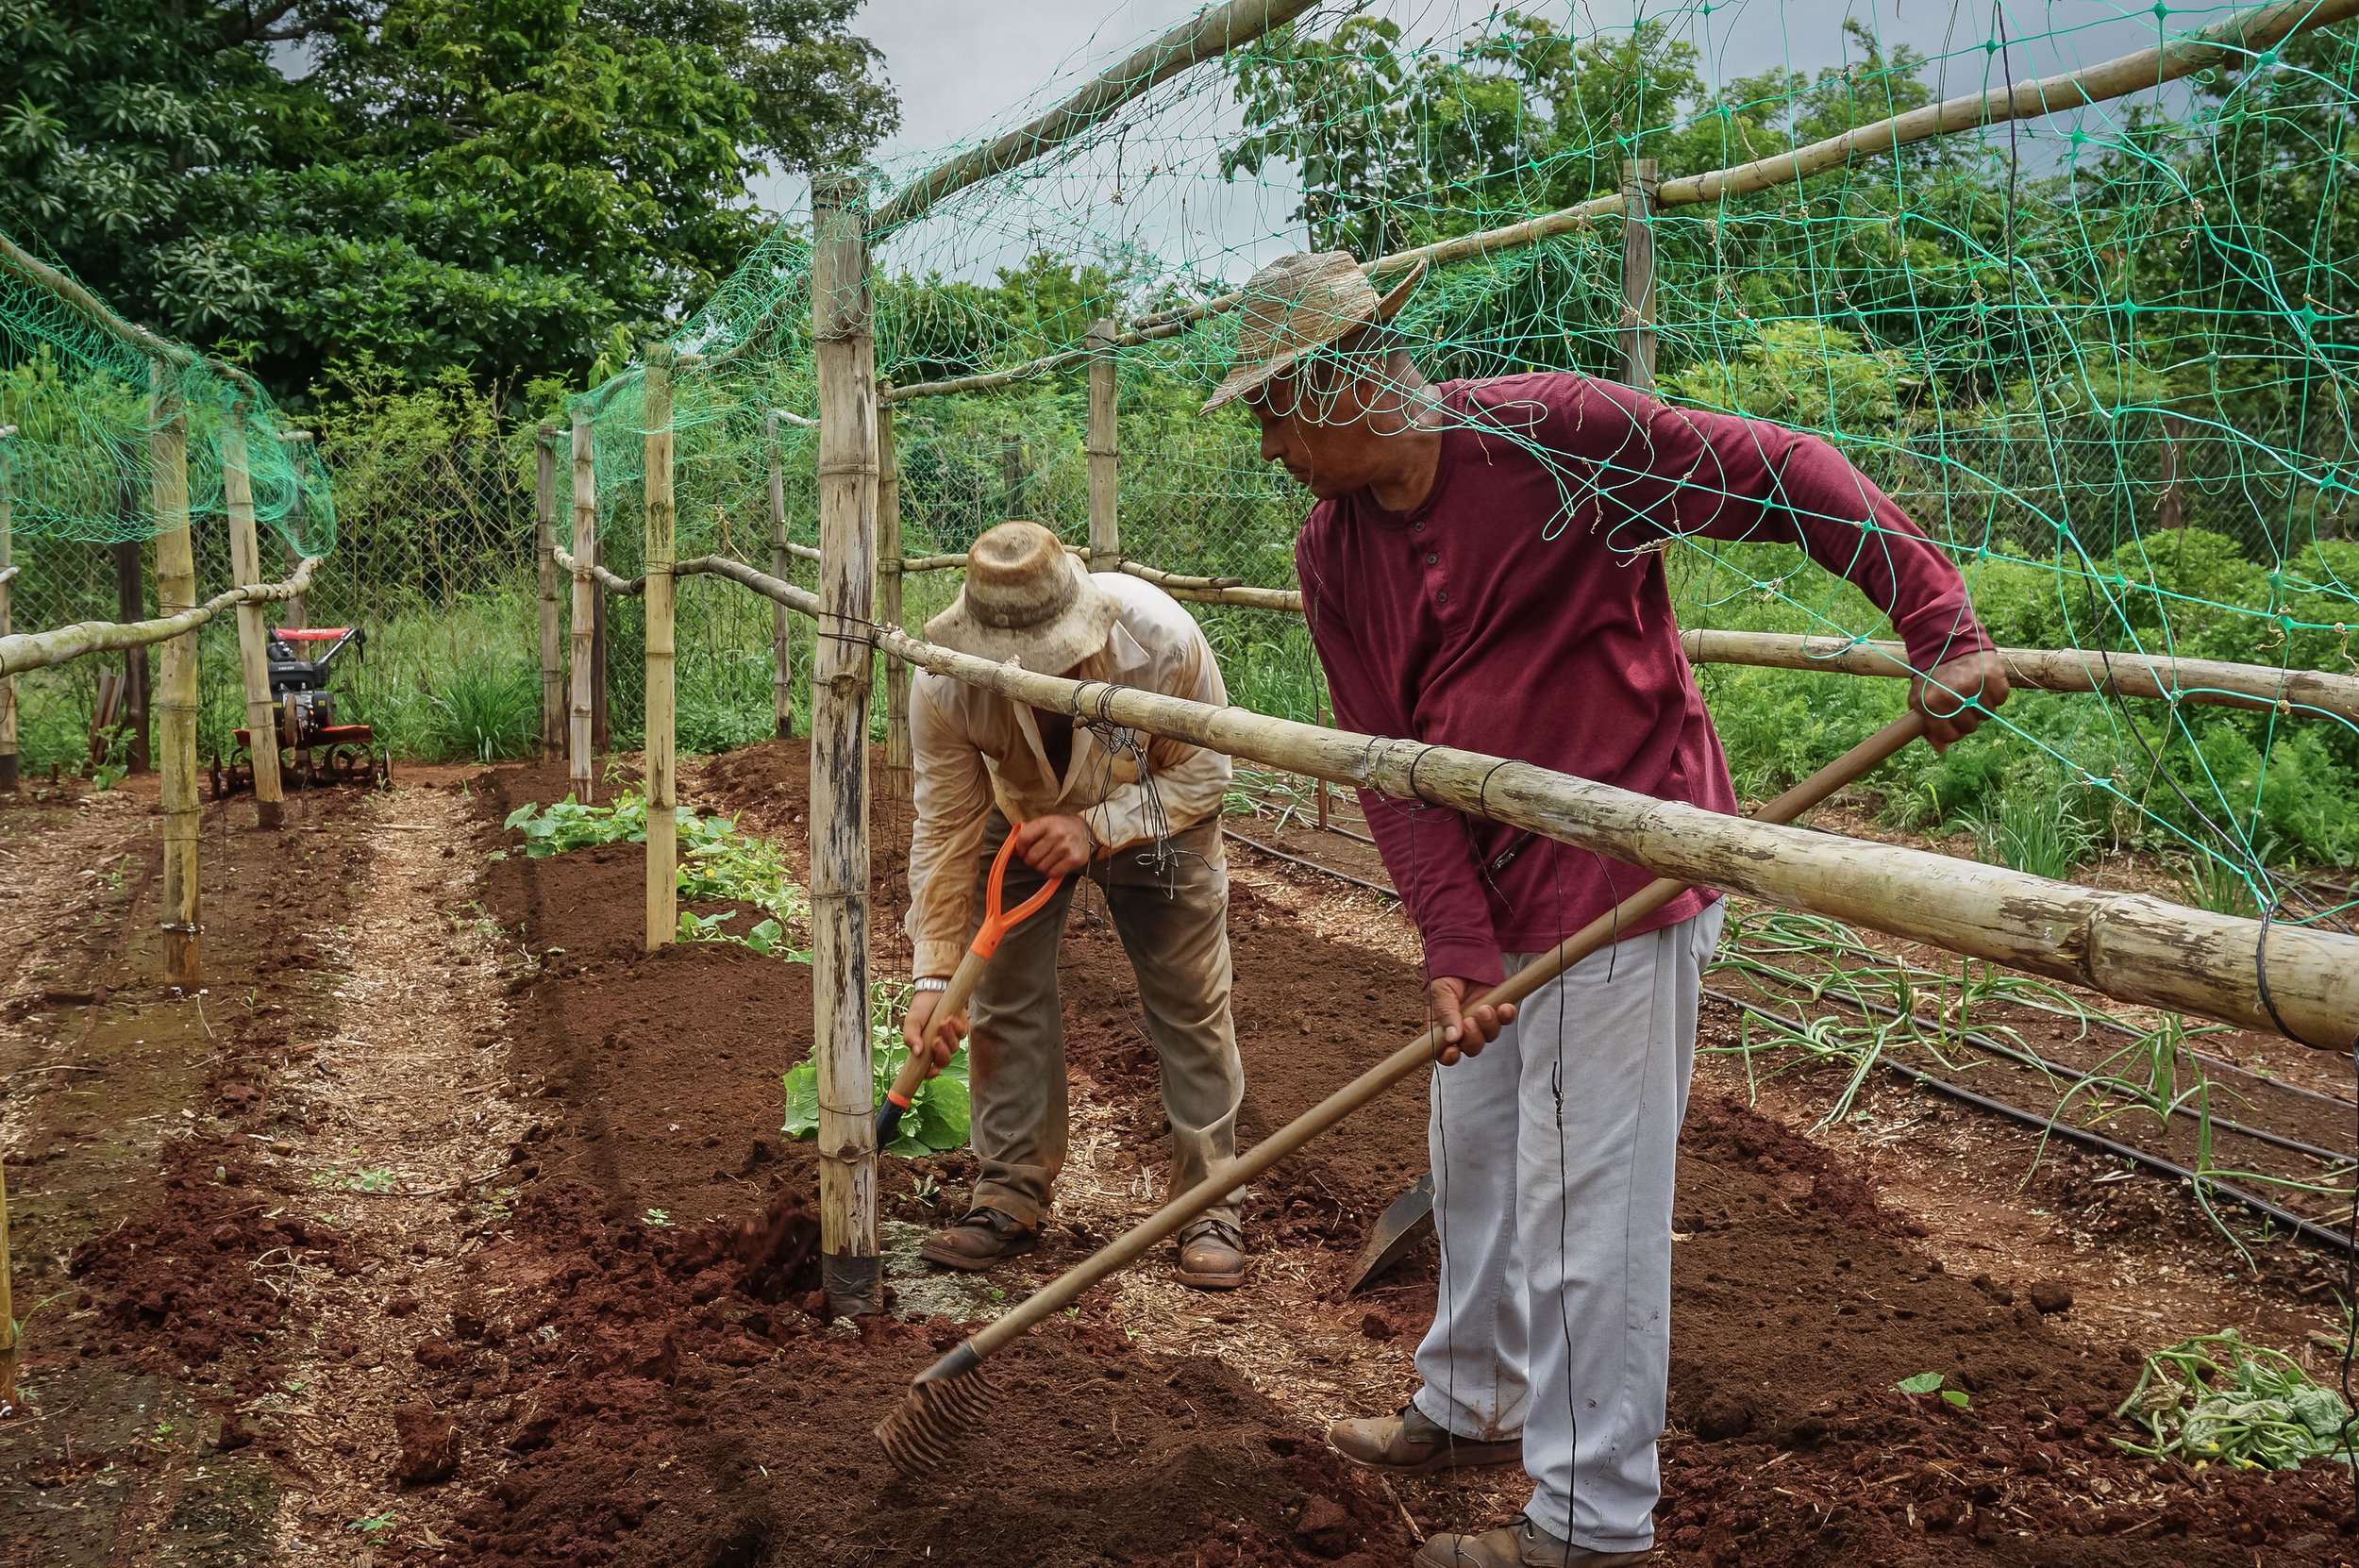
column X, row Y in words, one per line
column 1598, row 934
column 995, row 925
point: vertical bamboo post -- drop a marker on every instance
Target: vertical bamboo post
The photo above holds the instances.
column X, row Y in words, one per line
column 544, row 530
column 846, row 352
column 1103, row 444
column 175, row 739
column 782, row 562
column 900, row 784
column 584, row 628
column 246, row 566
column 297, row 610
column 2172, row 510
column 7, row 745
column 663, row 784
column 131, row 605
column 1640, row 176
column 1012, row 478
column 601, row 713
column 1319, row 716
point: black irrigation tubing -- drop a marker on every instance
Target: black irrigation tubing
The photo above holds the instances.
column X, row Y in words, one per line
column 1228, row 832
column 2063, row 1070
column 2095, row 1142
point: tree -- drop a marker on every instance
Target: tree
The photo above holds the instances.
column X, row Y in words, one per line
column 491, row 184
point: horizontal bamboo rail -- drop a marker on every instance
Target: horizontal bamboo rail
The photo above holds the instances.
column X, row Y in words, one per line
column 1206, row 36
column 2138, row 949
column 2129, row 675
column 35, row 650
column 623, row 588
column 2249, row 32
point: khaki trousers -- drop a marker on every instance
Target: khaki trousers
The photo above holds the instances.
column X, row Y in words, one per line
column 1170, row 906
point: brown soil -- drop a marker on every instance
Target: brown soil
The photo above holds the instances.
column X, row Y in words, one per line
column 636, row 1367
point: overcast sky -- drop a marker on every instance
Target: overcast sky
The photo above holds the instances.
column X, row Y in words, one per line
column 962, row 67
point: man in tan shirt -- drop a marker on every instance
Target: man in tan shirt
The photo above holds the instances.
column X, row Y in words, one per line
column 1139, row 815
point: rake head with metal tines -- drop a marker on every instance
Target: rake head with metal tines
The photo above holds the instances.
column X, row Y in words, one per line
column 946, row 1403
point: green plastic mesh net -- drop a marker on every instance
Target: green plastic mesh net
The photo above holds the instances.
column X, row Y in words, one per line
column 2099, row 352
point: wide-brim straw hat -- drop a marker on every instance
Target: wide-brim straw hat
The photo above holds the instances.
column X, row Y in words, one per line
column 1297, row 303
column 1025, row 599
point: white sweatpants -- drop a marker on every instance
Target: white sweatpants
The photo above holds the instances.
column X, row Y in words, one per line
column 1554, row 1316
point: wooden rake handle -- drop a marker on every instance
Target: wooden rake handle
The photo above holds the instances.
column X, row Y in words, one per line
column 1126, row 1249
column 996, row 925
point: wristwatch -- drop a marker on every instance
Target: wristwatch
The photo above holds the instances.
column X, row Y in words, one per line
column 931, row 982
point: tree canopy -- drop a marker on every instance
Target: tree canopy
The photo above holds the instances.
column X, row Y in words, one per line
column 493, row 185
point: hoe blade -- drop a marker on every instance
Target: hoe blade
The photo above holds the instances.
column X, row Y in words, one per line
column 1396, row 1231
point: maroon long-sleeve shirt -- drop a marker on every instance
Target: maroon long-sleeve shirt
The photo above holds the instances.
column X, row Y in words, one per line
column 1518, row 610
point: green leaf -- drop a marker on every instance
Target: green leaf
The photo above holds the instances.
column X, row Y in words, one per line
column 1960, row 1399
column 1924, row 1382
column 943, row 1112
column 802, row 1101
column 765, row 936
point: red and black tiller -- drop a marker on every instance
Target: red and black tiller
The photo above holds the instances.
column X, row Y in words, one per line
column 316, row 748
column 995, row 925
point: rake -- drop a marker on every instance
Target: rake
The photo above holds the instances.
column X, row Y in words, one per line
column 950, row 1400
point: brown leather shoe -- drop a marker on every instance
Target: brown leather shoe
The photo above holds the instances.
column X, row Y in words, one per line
column 1211, row 1256
column 1521, row 1544
column 983, row 1238
column 1409, row 1443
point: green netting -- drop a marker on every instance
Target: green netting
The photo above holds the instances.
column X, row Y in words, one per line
column 84, row 409
column 2100, row 355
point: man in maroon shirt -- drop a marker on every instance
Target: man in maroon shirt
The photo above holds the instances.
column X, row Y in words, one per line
column 1483, row 570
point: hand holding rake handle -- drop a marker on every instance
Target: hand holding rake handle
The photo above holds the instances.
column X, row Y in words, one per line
column 920, row 1066
column 949, row 1399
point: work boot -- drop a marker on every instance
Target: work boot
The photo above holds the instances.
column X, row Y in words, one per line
column 1211, row 1256
column 1521, row 1544
column 983, row 1238
column 1412, row 1443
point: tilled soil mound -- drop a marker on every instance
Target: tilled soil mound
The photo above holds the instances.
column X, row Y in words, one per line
column 641, row 1375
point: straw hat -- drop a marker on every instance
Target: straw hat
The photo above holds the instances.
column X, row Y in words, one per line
column 1026, row 600
column 1299, row 303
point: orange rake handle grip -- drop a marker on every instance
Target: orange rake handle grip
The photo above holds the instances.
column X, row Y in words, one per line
column 996, row 925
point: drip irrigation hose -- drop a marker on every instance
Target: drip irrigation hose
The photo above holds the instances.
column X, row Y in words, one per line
column 2057, row 1069
column 1312, row 865
column 2097, row 1143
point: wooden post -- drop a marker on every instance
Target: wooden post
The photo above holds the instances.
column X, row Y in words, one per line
column 2171, row 512
column 544, row 529
column 899, row 782
column 1012, row 478
column 8, row 776
column 845, row 352
column 176, row 738
column 1319, row 716
column 131, row 605
column 7, row 1297
column 663, row 784
column 601, row 715
column 782, row 621
column 1102, row 443
column 246, row 569
column 584, row 630
column 1640, row 180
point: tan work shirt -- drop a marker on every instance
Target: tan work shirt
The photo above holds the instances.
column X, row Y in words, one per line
column 975, row 749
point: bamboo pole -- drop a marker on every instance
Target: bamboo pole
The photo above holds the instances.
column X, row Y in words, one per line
column 9, row 1347
column 584, row 627
column 845, row 352
column 1012, row 478
column 245, row 570
column 2130, row 674
column 1103, row 444
column 2248, row 32
column 545, row 554
column 130, row 600
column 1206, row 36
column 35, row 650
column 782, row 623
column 900, row 780
column 2139, row 949
column 8, row 707
column 2145, row 951
column 662, row 781
column 176, row 738
column 1636, row 339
